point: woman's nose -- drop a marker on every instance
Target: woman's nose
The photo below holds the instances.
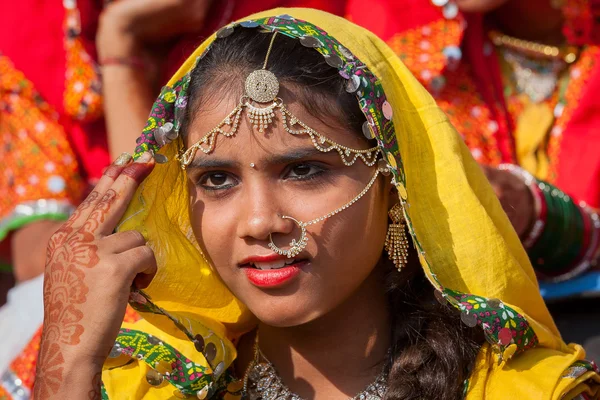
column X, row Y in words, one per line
column 261, row 215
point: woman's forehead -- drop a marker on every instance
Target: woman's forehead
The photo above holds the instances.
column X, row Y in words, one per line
column 275, row 140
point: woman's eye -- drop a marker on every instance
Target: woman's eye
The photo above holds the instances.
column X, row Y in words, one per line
column 217, row 180
column 303, row 171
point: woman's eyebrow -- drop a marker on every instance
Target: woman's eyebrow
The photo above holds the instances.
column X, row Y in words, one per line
column 213, row 161
column 294, row 155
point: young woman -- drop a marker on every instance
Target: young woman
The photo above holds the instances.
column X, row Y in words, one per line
column 296, row 155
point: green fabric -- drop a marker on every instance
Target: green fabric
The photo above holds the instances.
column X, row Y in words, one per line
column 19, row 222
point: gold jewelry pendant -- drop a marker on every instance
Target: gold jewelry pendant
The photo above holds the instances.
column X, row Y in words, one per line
column 396, row 242
column 296, row 246
column 261, row 117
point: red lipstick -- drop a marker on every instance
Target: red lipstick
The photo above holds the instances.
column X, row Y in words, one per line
column 271, row 278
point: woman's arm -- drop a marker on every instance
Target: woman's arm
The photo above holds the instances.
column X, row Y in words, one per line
column 128, row 98
column 127, row 89
column 128, row 35
column 562, row 237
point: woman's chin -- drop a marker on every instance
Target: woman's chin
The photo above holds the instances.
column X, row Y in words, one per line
column 284, row 315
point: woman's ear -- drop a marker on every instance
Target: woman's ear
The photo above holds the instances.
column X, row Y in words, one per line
column 393, row 198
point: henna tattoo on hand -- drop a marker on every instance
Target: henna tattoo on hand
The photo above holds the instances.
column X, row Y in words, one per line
column 70, row 252
column 95, row 393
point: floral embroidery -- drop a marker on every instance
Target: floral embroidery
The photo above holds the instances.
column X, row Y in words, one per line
column 502, row 325
column 578, row 368
column 178, row 370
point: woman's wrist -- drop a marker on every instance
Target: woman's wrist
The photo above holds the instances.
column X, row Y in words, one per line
column 564, row 239
column 79, row 378
column 115, row 38
column 538, row 216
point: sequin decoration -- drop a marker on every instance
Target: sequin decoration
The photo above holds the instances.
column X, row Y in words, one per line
column 502, row 325
column 185, row 375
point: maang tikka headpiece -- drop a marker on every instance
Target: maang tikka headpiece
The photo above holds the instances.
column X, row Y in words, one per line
column 260, row 102
column 262, row 88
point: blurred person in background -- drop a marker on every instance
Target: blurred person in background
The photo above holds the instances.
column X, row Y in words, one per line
column 53, row 143
column 77, row 82
column 520, row 80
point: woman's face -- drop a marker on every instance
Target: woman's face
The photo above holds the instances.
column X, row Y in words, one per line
column 239, row 191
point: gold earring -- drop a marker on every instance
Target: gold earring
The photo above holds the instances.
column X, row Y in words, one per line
column 396, row 243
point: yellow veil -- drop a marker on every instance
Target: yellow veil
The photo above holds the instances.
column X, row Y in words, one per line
column 466, row 244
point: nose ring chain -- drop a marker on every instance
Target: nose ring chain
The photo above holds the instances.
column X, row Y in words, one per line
column 297, row 246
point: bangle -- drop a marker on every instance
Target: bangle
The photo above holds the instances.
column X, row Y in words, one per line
column 592, row 250
column 567, row 249
column 134, row 62
column 541, row 215
column 564, row 240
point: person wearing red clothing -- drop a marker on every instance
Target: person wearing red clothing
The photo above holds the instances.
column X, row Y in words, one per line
column 520, row 81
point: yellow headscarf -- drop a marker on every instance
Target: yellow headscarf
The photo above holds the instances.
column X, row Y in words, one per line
column 466, row 244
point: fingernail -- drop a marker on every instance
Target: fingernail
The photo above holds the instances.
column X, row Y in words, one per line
column 123, row 159
column 144, row 158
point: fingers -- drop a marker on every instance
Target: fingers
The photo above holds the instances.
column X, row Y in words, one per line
column 111, row 207
column 122, row 241
column 142, row 263
column 108, row 178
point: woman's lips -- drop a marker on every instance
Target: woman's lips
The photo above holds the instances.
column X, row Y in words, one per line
column 272, row 278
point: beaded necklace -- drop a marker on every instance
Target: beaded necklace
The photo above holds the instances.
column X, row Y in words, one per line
column 261, row 381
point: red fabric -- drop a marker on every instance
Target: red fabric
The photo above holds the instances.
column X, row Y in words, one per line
column 386, row 18
column 488, row 78
column 579, row 160
column 579, row 163
column 31, row 35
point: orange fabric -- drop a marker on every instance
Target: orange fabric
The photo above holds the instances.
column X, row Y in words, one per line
column 38, row 161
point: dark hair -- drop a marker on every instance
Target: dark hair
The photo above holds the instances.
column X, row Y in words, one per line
column 432, row 351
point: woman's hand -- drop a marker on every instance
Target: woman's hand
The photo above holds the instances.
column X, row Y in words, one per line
column 127, row 25
column 89, row 273
column 516, row 198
